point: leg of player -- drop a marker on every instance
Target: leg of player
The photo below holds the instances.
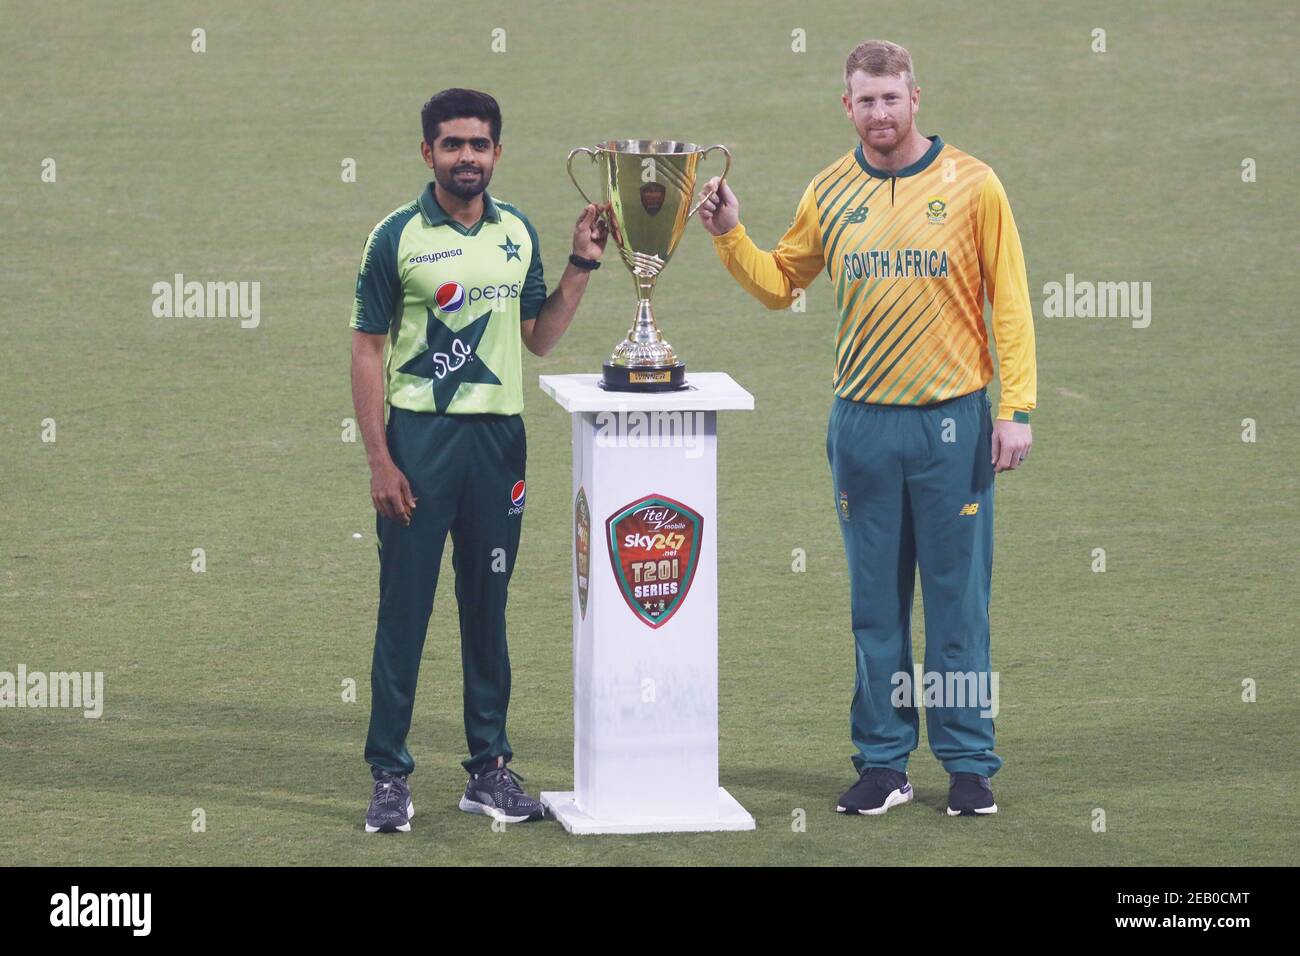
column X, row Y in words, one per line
column 952, row 500
column 871, row 501
column 486, row 539
column 409, row 558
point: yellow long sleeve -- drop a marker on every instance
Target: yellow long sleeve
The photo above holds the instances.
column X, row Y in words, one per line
column 1002, row 269
column 772, row 277
column 913, row 255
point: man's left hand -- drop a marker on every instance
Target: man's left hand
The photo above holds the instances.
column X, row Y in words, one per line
column 590, row 233
column 1011, row 443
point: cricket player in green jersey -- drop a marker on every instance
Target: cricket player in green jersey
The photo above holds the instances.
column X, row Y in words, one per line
column 450, row 287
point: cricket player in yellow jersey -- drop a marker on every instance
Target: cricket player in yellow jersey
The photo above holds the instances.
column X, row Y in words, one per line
column 914, row 234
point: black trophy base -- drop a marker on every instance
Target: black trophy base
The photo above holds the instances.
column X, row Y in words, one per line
column 644, row 378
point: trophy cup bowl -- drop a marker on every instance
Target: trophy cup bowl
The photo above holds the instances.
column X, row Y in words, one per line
column 647, row 186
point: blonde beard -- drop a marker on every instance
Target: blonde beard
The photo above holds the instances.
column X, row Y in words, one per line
column 904, row 136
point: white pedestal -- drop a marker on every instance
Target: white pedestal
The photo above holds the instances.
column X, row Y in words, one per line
column 645, row 608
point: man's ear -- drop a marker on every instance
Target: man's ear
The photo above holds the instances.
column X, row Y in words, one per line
column 426, row 151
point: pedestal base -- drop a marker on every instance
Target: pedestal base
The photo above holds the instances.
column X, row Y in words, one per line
column 731, row 816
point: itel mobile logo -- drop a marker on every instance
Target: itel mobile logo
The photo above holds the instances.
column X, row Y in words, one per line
column 661, row 519
column 517, row 498
column 654, row 547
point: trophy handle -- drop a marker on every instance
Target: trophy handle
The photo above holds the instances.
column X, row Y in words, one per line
column 705, row 152
column 569, row 166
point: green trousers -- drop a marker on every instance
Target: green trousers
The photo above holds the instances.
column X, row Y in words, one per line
column 467, row 472
column 914, row 485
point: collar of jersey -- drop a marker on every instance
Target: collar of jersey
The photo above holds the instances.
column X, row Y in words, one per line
column 936, row 146
column 435, row 215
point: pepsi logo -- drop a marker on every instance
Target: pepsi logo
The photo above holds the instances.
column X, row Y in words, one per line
column 450, row 296
column 517, row 493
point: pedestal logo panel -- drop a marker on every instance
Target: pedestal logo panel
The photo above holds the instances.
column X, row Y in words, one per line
column 654, row 547
column 582, row 547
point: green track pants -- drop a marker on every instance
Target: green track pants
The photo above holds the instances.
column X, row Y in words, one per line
column 467, row 472
column 914, row 485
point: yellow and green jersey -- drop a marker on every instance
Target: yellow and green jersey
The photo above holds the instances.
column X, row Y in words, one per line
column 912, row 255
column 450, row 299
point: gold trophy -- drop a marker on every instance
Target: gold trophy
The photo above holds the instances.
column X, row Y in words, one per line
column 648, row 185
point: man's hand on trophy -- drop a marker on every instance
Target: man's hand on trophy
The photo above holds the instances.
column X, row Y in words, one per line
column 721, row 212
column 590, row 233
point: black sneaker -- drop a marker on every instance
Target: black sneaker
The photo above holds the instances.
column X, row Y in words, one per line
column 970, row 795
column 878, row 789
column 391, row 808
column 495, row 793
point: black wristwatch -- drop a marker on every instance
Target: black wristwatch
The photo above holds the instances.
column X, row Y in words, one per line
column 581, row 263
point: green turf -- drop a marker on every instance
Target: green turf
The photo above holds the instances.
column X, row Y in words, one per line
column 1120, row 691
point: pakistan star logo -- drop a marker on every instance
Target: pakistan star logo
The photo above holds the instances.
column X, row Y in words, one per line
column 512, row 250
column 450, row 360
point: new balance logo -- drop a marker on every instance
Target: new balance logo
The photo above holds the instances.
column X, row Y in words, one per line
column 855, row 216
column 970, row 509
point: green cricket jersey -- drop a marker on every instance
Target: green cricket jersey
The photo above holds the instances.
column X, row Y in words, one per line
column 450, row 299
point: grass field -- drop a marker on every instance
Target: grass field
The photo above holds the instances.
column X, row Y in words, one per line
column 1120, row 690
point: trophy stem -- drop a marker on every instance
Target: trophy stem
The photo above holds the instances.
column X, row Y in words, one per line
column 644, row 331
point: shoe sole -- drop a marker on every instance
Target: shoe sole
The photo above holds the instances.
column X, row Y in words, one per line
column 896, row 798
column 976, row 812
column 401, row 827
column 473, row 806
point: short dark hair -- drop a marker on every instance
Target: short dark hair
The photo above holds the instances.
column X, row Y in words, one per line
column 460, row 104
